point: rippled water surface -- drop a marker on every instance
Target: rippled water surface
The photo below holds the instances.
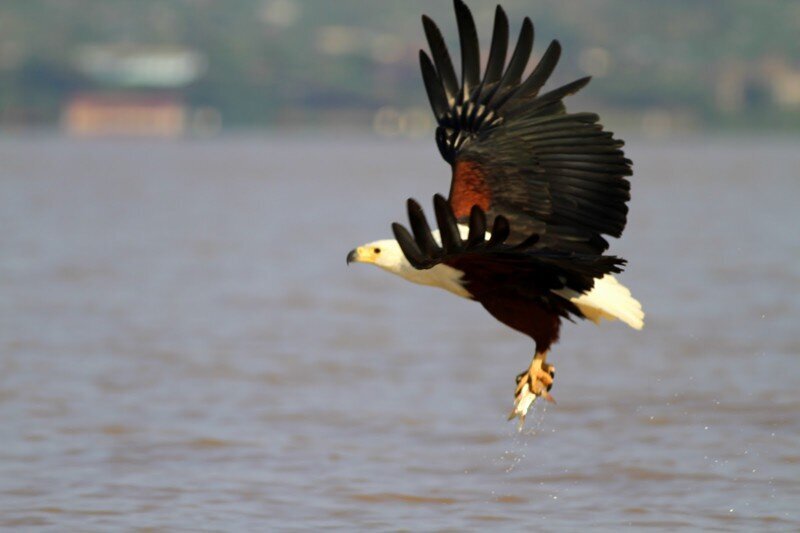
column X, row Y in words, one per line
column 183, row 347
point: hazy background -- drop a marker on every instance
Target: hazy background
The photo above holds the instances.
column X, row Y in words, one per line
column 182, row 346
column 661, row 66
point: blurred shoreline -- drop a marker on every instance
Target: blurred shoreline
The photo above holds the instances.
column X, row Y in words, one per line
column 364, row 134
column 185, row 66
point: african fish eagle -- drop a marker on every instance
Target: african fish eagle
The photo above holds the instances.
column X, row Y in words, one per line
column 551, row 182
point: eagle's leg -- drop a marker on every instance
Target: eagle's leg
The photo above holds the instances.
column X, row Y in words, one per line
column 534, row 382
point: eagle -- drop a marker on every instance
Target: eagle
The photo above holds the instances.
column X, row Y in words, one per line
column 535, row 190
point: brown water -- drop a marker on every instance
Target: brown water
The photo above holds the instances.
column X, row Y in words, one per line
column 183, row 347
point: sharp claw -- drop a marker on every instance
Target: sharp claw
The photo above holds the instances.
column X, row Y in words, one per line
column 526, row 394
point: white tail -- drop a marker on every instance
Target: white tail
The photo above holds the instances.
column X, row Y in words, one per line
column 608, row 299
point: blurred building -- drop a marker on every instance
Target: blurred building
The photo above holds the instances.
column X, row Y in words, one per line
column 138, row 91
column 741, row 86
column 99, row 114
column 784, row 82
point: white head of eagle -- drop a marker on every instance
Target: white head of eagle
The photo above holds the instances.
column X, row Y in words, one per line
column 388, row 255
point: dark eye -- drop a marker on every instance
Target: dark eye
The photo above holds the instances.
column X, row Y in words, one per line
column 377, row 250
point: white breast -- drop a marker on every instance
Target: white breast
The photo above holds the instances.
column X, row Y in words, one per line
column 442, row 276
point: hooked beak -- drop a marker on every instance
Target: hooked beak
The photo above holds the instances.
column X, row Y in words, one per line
column 362, row 254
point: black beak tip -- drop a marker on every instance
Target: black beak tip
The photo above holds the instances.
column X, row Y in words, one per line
column 351, row 256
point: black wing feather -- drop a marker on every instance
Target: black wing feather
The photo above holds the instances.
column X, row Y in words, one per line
column 522, row 53
column 477, row 226
column 546, row 170
column 542, row 71
column 433, row 86
column 500, row 230
column 448, row 226
column 470, row 50
column 526, row 266
column 408, row 245
column 421, row 229
column 441, row 58
column 498, row 50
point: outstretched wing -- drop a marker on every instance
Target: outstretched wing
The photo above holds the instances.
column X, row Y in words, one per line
column 518, row 153
column 493, row 266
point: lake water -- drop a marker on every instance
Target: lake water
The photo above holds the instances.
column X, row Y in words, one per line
column 182, row 347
